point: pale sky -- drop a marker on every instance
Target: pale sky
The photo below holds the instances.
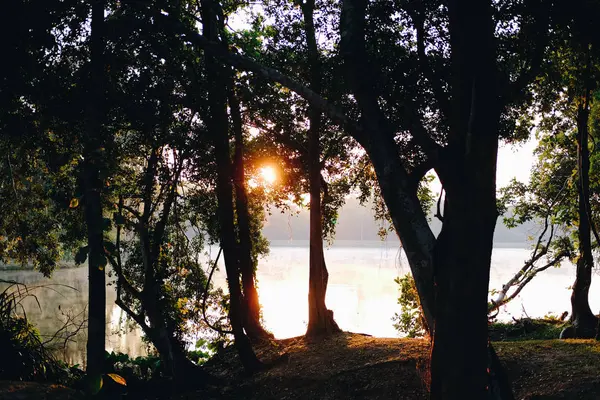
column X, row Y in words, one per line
column 513, row 162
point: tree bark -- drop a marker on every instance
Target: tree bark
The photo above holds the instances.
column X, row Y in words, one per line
column 251, row 305
column 463, row 250
column 320, row 319
column 583, row 319
column 92, row 198
column 217, row 124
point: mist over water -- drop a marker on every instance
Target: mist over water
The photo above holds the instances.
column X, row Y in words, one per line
column 361, row 292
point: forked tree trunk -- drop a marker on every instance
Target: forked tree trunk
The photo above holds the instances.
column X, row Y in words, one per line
column 92, row 201
column 250, row 303
column 459, row 360
column 584, row 320
column 218, row 127
column 320, row 319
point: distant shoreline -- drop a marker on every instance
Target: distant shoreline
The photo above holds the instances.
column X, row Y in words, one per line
column 365, row 244
column 16, row 267
column 378, row 244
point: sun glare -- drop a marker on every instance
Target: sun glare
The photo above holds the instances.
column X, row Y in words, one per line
column 268, row 175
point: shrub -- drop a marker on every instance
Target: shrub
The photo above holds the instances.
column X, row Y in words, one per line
column 410, row 320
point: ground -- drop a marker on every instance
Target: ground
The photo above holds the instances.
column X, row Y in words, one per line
column 354, row 366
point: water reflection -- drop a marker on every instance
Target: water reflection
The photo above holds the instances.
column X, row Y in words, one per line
column 64, row 297
column 361, row 292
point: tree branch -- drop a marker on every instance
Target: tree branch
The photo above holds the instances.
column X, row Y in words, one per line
column 205, row 296
column 539, row 29
column 352, row 27
column 270, row 74
column 440, row 95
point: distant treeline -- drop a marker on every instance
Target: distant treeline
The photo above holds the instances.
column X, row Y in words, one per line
column 356, row 224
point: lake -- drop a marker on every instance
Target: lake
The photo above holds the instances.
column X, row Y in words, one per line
column 361, row 292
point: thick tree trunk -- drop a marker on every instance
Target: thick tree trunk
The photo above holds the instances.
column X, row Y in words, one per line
column 92, row 200
column 320, row 319
column 251, row 305
column 218, row 127
column 584, row 320
column 462, row 255
column 462, row 258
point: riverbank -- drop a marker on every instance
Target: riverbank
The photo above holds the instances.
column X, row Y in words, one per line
column 29, row 267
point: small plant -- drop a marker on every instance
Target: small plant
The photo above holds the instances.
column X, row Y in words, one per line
column 97, row 383
column 410, row 320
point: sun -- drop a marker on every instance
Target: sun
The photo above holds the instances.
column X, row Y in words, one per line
column 268, row 175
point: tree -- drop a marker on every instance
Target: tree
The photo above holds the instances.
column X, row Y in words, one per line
column 320, row 319
column 217, row 125
column 160, row 141
column 460, row 144
column 92, row 184
column 564, row 98
column 247, row 241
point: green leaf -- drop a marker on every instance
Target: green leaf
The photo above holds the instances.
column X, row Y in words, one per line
column 118, row 378
column 81, row 255
column 95, row 384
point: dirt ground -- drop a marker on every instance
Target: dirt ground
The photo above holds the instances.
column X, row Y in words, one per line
column 354, row 366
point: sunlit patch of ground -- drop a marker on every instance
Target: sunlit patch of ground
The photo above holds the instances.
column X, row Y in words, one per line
column 353, row 366
column 553, row 369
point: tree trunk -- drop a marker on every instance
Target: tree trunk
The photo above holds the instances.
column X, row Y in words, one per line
column 251, row 305
column 174, row 360
column 459, row 358
column 320, row 319
column 217, row 125
column 92, row 200
column 584, row 320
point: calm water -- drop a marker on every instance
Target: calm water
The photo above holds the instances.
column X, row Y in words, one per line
column 361, row 292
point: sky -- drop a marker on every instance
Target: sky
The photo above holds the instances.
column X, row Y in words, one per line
column 514, row 161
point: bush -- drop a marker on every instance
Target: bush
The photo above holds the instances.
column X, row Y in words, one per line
column 410, row 321
column 23, row 355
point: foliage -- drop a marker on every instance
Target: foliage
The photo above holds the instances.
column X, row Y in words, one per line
column 546, row 328
column 410, row 320
column 133, row 369
column 24, row 355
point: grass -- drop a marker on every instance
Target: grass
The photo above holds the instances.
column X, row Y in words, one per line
column 352, row 366
column 527, row 329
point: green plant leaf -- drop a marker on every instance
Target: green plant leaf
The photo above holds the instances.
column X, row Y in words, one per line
column 95, row 384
